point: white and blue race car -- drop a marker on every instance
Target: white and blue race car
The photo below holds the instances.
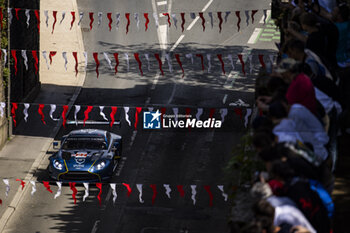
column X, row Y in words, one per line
column 86, row 155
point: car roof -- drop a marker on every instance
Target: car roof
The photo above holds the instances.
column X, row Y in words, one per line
column 88, row 132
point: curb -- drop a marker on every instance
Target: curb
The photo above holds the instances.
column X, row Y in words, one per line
column 17, row 198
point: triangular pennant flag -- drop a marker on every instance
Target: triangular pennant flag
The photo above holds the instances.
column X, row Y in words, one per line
column 231, row 61
column 194, row 193
column 113, row 111
column 221, row 187
column 126, row 110
column 75, row 191
column 27, row 14
column 86, row 113
column 211, row 112
column 167, row 57
column 222, row 63
column 63, row 16
column 108, row 60
column 147, row 21
column 117, row 20
column 16, row 12
column 95, row 55
column 52, row 110
column 183, row 21
column 52, row 53
column 22, row 183
column 13, row 113
column 240, row 57
column 86, row 59
column 47, row 186
column 64, row 115
column 1, row 19
column 239, row 20
column 59, row 190
column 86, row 186
column 25, row 58
column 137, row 19
column 77, row 109
column 238, row 112
column 32, row 182
column 261, row 60
column 7, row 183
column 167, row 15
column 54, row 14
column 116, row 61
column 247, row 17
column 128, row 188
column 136, row 55
column 91, row 16
column 81, row 15
column 45, row 57
column 265, row 15
column 114, row 191
column 73, row 19
column 189, row 56
column 250, row 57
column 13, row 53
column 246, row 117
column 25, row 111
column 40, row 111
column 99, row 15
column 139, row 188
column 227, row 13
column 46, row 13
column 173, row 16
column 199, row 113
column 5, row 56
column 75, row 55
column 252, row 15
column 202, row 60
column 155, row 16
column 99, row 186
column 203, row 20
column 36, row 61
column 211, row 197
column 220, row 20
column 64, row 55
column 211, row 19
column 2, row 108
column 148, row 63
column 102, row 113
column 159, row 63
column 126, row 55
column 181, row 190
column 110, row 20
column 137, row 112
column 154, row 188
column 167, row 190
column 177, row 56
column 127, row 16
column 223, row 113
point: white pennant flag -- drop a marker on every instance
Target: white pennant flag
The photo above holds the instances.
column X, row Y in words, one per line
column 126, row 110
column 46, row 13
column 248, row 113
column 99, row 15
column 7, row 183
column 167, row 57
column 136, row 16
column 167, row 190
column 2, row 107
column 223, row 112
column 271, row 58
column 59, row 190
column 139, row 187
column 265, row 15
column 250, row 57
column 108, row 60
column 117, row 17
column 194, row 193
column 25, row 111
column 209, row 62
column 32, row 182
column 150, row 109
column 211, row 19
column 174, row 19
column 5, row 56
column 199, row 113
column 27, row 13
column 247, row 17
column 192, row 15
column 102, row 113
column 25, row 58
column 86, row 59
column 226, row 15
column 86, row 185
column 176, row 111
column 231, row 61
column 46, row 60
column 81, row 15
column 148, row 64
column 77, row 109
column 221, row 187
column 114, row 192
column 63, row 16
column 64, row 55
column 52, row 110
column 189, row 56
column 9, row 12
column 155, row 16
column 126, row 55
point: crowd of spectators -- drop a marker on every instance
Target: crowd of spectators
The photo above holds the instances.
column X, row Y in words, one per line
column 301, row 102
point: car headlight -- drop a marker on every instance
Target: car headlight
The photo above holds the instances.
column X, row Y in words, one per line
column 100, row 165
column 58, row 165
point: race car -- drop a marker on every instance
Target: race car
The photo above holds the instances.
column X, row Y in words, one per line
column 86, row 155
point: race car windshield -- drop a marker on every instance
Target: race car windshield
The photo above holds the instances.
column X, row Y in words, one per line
column 73, row 143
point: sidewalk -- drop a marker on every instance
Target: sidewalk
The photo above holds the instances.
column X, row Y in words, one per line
column 22, row 155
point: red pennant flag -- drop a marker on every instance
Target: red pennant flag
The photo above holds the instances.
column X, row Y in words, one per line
column 253, row 13
column 183, row 21
column 240, row 57
column 91, row 15
column 47, row 186
column 203, row 20
column 188, row 112
column 220, row 20
column 202, row 60
column 54, row 13
column 75, row 191
column 114, row 110
column 40, row 111
column 211, row 112
column 52, row 53
column 36, row 12
column 177, row 56
column 1, row 18
column 238, row 112
column 86, row 113
column 159, row 62
column 137, row 112
column 13, row 112
column 136, row 55
column 167, row 14
column 109, row 16
column 128, row 188
column 99, row 186
column 22, row 183
column 127, row 16
column 211, row 197
column 222, row 63
column 181, row 190
column 0, row 202
column 16, row 10
column 147, row 20
column 35, row 56
column 75, row 55
column 117, row 62
column 239, row 20
column 162, row 110
column 154, row 188
column 261, row 60
column 73, row 19
column 95, row 55
column 14, row 55
column 65, row 110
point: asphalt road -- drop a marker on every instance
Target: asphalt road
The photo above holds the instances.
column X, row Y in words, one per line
column 175, row 157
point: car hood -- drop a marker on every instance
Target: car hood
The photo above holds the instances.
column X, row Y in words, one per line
column 80, row 160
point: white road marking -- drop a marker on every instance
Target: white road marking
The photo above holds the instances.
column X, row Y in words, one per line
column 148, row 100
column 268, row 13
column 224, row 99
column 254, row 36
column 197, row 17
column 206, row 6
column 177, row 42
column 94, row 229
column 161, row 15
column 133, row 136
column 155, row 81
column 161, row 3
